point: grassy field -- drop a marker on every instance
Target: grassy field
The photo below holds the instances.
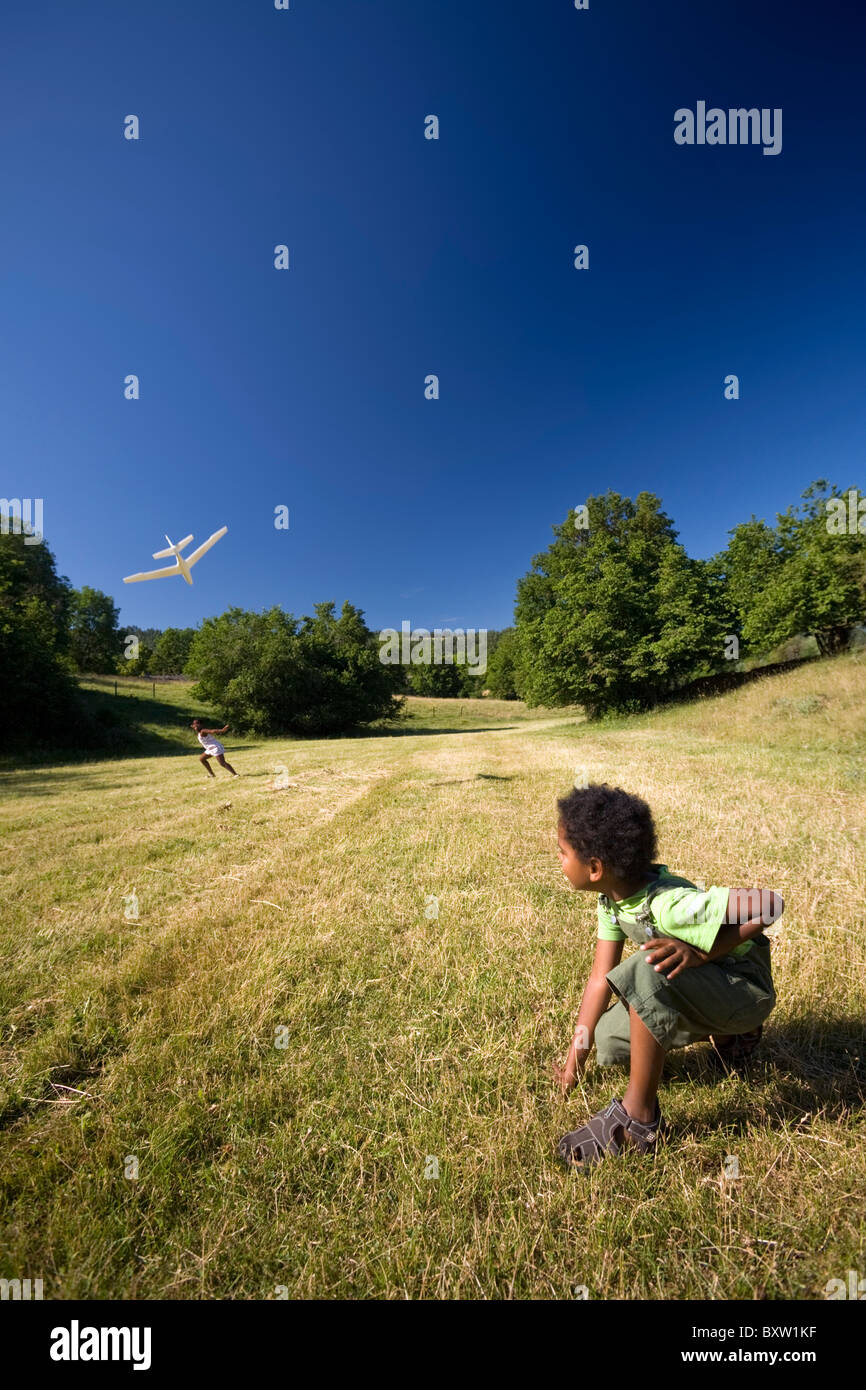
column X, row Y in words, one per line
column 296, row 906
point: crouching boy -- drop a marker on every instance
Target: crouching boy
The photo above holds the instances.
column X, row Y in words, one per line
column 701, row 971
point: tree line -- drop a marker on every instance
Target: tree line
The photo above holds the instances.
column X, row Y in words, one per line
column 613, row 615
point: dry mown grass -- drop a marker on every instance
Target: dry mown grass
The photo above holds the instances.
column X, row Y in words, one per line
column 411, row 1038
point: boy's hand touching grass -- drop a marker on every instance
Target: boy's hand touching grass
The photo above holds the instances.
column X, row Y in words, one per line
column 669, row 955
column 566, row 1076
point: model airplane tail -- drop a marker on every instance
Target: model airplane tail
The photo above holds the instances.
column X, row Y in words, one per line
column 172, row 548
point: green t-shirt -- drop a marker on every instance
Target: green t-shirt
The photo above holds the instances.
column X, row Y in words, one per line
column 690, row 913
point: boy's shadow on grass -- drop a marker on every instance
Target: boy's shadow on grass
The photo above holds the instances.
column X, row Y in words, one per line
column 802, row 1066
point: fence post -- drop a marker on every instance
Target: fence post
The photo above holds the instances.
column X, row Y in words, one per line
column 154, row 690
column 115, row 687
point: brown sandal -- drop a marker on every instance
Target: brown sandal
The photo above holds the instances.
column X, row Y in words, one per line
column 607, row 1133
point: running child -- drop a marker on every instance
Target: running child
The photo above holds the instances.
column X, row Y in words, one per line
column 702, row 970
column 212, row 748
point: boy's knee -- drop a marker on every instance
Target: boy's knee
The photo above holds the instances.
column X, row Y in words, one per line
column 637, row 974
column 612, row 1037
column 612, row 1052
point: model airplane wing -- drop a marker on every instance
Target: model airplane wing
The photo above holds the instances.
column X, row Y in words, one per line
column 206, row 545
column 151, row 574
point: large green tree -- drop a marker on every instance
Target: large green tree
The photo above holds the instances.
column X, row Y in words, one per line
column 270, row 673
column 95, row 644
column 503, row 666
column 444, row 679
column 614, row 615
column 147, row 640
column 805, row 576
column 29, row 572
column 37, row 695
column 171, row 651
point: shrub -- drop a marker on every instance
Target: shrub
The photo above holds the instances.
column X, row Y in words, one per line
column 272, row 674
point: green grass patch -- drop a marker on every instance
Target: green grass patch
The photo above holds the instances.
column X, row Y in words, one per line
column 349, row 970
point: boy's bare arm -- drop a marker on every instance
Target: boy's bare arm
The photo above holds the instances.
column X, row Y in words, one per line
column 750, row 910
column 595, row 999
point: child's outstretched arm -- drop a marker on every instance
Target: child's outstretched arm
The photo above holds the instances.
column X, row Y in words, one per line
column 223, row 730
column 596, row 997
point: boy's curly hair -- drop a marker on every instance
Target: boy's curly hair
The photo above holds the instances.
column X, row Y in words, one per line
column 607, row 823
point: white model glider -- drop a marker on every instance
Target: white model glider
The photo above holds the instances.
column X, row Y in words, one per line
column 183, row 564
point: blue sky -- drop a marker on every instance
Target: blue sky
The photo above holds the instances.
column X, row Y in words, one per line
column 305, row 388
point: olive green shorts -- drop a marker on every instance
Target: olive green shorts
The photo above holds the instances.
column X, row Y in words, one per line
column 730, row 995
